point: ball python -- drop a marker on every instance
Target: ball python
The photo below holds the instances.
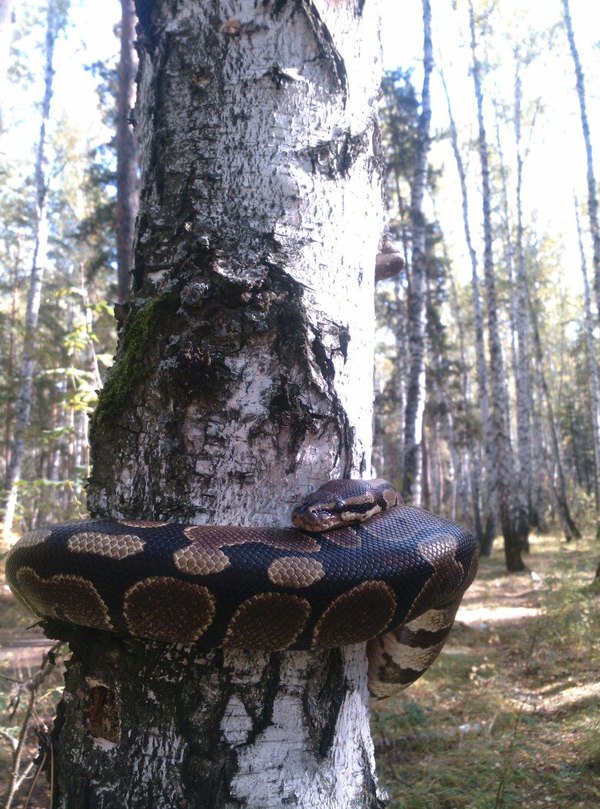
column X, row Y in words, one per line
column 358, row 566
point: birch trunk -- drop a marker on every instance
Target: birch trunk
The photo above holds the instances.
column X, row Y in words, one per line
column 417, row 282
column 243, row 379
column 585, row 129
column 518, row 294
column 592, row 364
column 127, row 157
column 513, row 541
column 558, row 480
column 24, row 397
column 488, row 469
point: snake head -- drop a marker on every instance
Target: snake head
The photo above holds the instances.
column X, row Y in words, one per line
column 343, row 502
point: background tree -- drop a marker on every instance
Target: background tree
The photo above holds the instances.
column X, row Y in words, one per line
column 415, row 391
column 126, row 148
column 24, row 399
column 585, row 130
column 511, row 529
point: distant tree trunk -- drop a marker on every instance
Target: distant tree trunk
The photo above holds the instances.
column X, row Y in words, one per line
column 559, row 489
column 24, row 398
column 415, row 392
column 513, row 538
column 127, row 156
column 486, row 533
column 592, row 366
column 243, row 379
column 467, row 487
column 585, row 128
column 12, row 322
column 523, row 381
column 6, row 19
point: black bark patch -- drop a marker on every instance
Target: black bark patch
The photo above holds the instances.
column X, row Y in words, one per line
column 336, row 157
column 261, row 710
column 287, row 409
column 323, row 361
column 344, row 342
column 198, row 370
column 322, row 701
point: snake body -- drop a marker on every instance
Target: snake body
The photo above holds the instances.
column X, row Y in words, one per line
column 357, row 568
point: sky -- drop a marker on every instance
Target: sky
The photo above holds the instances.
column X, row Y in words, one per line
column 555, row 166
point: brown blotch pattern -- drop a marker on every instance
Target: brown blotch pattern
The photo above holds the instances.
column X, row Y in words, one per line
column 295, row 571
column 116, row 546
column 64, row 597
column 357, row 615
column 268, row 621
column 199, row 561
column 163, row 608
column 219, row 536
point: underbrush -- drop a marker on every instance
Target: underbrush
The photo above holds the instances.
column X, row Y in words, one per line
column 509, row 716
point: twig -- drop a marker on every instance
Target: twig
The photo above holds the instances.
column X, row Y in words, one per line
column 32, row 685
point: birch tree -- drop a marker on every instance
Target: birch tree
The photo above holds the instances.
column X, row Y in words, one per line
column 242, row 380
column 55, row 21
column 513, row 537
column 417, row 281
column 556, row 474
column 485, row 523
column 592, row 367
column 127, row 158
column 585, row 130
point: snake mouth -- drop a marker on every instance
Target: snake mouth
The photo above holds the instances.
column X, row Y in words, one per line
column 314, row 520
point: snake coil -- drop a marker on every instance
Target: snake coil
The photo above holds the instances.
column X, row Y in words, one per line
column 357, row 567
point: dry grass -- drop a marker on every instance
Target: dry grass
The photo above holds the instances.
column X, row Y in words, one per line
column 509, row 715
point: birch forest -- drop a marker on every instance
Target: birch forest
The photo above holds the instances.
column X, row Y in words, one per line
column 486, row 391
column 486, row 376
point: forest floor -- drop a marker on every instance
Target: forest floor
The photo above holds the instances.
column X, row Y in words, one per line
column 508, row 717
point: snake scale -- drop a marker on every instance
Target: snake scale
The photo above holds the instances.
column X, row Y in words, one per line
column 357, row 567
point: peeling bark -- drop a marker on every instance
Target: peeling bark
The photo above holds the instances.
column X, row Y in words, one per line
column 243, row 379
